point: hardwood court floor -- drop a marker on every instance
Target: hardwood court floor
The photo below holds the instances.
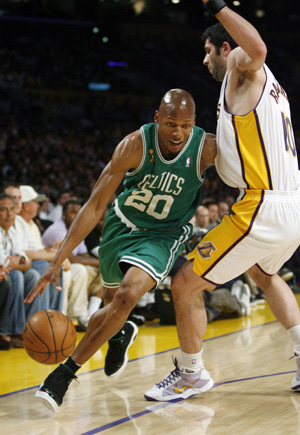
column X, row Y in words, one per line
column 248, row 358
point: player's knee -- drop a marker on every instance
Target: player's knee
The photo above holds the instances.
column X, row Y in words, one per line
column 182, row 280
column 261, row 280
column 178, row 286
column 126, row 297
column 108, row 295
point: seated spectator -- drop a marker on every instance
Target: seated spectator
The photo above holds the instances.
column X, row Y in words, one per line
column 44, row 209
column 21, row 277
column 13, row 189
column 41, row 219
column 92, row 242
column 80, row 258
column 223, row 209
column 5, row 339
column 201, row 218
column 213, row 210
column 93, row 239
column 223, row 303
column 29, row 209
column 71, row 296
column 56, row 212
column 29, row 239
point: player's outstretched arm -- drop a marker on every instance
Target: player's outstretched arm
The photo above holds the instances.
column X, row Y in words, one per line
column 127, row 156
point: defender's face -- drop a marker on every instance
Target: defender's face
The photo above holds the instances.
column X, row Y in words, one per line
column 216, row 63
column 175, row 127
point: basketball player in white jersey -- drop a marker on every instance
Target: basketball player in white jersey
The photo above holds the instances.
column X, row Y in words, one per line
column 256, row 153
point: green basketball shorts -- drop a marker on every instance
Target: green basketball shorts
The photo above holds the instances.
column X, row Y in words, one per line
column 152, row 251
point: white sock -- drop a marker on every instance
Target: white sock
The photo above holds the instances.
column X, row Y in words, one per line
column 294, row 333
column 94, row 304
column 84, row 320
column 191, row 361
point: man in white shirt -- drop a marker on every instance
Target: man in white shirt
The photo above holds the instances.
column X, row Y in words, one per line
column 21, row 276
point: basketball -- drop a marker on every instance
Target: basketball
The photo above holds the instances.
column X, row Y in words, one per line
column 49, row 337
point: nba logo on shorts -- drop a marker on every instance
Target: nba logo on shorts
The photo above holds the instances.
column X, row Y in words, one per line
column 193, row 361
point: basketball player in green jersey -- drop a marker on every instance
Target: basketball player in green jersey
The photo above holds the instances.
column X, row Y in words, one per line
column 143, row 234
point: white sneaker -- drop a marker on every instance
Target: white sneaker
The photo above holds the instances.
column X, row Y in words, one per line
column 236, row 289
column 245, row 300
column 180, row 385
column 295, row 385
column 243, row 294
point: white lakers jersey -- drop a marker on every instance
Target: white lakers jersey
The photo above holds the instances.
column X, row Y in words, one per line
column 258, row 151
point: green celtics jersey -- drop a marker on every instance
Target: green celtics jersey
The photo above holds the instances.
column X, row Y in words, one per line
column 162, row 194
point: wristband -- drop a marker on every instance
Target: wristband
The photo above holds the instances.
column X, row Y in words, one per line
column 214, row 6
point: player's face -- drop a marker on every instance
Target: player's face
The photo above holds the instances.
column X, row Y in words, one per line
column 175, row 126
column 216, row 63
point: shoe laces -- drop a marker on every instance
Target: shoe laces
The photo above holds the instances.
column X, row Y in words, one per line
column 61, row 374
column 296, row 355
column 173, row 376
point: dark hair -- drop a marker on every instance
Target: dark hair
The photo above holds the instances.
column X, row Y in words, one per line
column 217, row 34
column 7, row 184
column 61, row 192
column 209, row 202
column 71, row 201
column 6, row 195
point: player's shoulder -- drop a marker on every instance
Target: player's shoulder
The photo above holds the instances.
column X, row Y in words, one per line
column 145, row 134
column 198, row 130
column 210, row 145
column 133, row 140
column 129, row 151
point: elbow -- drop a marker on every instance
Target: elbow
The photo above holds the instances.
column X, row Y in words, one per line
column 261, row 51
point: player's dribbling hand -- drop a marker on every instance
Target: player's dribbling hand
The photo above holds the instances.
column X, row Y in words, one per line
column 51, row 274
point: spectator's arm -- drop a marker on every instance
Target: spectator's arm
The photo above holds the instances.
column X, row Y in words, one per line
column 85, row 259
column 41, row 254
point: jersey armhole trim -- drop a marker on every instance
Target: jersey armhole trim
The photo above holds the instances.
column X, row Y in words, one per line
column 199, row 157
column 130, row 174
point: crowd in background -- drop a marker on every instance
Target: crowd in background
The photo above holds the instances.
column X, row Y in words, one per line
column 57, row 136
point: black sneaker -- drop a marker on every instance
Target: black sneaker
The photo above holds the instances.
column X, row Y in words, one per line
column 53, row 389
column 117, row 354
